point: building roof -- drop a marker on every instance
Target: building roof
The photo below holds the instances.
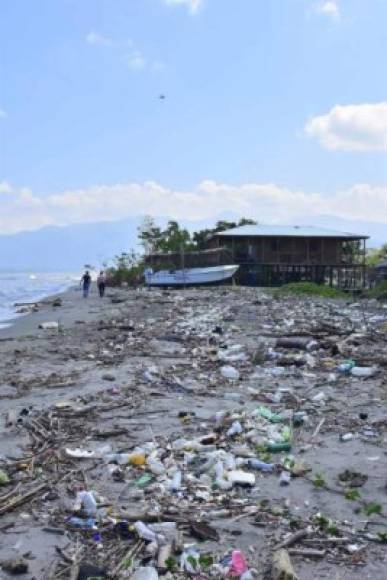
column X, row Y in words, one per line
column 260, row 230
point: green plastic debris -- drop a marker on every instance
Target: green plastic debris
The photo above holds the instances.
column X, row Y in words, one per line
column 278, row 447
column 142, row 481
column 269, row 415
column 4, row 479
column 286, row 434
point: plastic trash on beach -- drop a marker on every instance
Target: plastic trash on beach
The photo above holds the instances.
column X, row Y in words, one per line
column 242, row 478
column 80, row 453
column 145, row 533
column 145, row 573
column 52, row 325
column 235, row 429
column 238, row 565
column 190, row 561
column 85, row 500
column 230, row 373
column 269, row 415
column 4, row 479
column 363, row 372
column 345, row 367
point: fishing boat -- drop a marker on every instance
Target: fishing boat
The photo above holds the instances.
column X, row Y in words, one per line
column 190, row 276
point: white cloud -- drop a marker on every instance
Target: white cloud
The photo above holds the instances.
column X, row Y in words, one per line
column 136, row 60
column 351, row 128
column 269, row 203
column 329, row 8
column 193, row 6
column 97, row 39
column 5, row 188
column 3, row 114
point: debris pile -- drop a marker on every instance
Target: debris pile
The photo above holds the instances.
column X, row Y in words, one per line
column 233, row 435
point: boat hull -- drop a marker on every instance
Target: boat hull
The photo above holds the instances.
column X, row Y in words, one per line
column 191, row 276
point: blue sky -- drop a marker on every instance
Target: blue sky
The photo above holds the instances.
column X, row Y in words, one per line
column 268, row 103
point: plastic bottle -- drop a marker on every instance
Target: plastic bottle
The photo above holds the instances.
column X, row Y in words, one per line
column 278, row 447
column 144, row 532
column 176, row 481
column 345, row 367
column 86, row 501
column 155, row 466
column 285, row 478
column 260, row 465
column 363, row 372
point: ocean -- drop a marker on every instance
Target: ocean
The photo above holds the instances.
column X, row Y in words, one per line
column 29, row 287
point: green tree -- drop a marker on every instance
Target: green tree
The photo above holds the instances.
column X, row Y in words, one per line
column 202, row 236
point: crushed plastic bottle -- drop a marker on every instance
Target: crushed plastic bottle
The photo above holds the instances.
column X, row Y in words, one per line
column 155, row 466
column 85, row 500
column 269, row 415
column 230, row 373
column 235, row 429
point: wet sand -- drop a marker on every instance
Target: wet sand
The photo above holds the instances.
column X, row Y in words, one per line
column 135, row 364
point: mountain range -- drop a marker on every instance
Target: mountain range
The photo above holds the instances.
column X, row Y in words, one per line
column 69, row 248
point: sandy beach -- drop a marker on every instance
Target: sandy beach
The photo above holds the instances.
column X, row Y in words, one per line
column 146, row 366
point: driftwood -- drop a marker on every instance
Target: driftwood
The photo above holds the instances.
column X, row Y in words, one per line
column 296, row 343
column 297, row 537
column 20, row 500
column 282, row 568
column 307, row 553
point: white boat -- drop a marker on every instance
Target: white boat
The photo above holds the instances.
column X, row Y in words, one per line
column 190, row 276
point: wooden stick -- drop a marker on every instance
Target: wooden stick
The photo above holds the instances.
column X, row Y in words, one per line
column 300, row 535
column 307, row 553
column 17, row 501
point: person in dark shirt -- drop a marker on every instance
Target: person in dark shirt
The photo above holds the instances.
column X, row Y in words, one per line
column 86, row 283
column 101, row 283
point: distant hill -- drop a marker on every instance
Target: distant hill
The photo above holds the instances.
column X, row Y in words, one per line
column 70, row 248
column 67, row 248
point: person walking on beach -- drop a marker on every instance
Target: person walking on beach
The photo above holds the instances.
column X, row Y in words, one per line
column 86, row 283
column 101, row 283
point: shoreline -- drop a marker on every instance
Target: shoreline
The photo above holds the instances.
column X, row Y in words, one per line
column 27, row 323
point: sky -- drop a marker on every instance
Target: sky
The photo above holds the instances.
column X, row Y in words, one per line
column 191, row 109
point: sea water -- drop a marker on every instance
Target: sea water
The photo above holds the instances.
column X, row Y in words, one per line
column 18, row 287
